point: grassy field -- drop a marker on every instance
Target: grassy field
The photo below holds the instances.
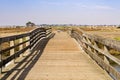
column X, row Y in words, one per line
column 112, row 33
column 106, row 32
column 109, row 32
column 14, row 31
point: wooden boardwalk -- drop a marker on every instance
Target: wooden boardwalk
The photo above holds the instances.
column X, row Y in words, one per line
column 63, row 59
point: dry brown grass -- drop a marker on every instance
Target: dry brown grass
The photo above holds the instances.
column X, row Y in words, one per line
column 62, row 28
column 108, row 32
column 11, row 30
column 14, row 31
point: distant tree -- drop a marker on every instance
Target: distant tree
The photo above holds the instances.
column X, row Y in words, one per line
column 118, row 27
column 30, row 24
column 19, row 26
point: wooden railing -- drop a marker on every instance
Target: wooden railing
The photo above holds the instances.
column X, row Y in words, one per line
column 98, row 49
column 20, row 45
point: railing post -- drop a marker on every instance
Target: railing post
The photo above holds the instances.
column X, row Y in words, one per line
column 84, row 45
column 21, row 46
column 0, row 61
column 107, row 52
column 84, row 39
column 69, row 32
column 79, row 40
column 95, row 44
column 12, row 51
column 27, row 44
column 88, row 40
column 0, row 58
column 89, row 48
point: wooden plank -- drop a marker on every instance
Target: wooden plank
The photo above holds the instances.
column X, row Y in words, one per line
column 36, row 34
column 104, row 65
column 9, row 48
column 62, row 59
column 108, row 42
column 116, row 60
column 99, row 60
column 10, row 58
column 10, row 38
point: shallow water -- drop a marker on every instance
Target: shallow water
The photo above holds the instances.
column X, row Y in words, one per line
column 116, row 66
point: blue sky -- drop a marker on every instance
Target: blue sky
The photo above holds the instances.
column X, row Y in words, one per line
column 18, row 12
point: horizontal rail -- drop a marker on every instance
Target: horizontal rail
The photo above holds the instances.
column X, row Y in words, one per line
column 32, row 38
column 10, row 58
column 104, row 65
column 116, row 60
column 89, row 45
column 15, row 37
column 7, row 49
column 108, row 42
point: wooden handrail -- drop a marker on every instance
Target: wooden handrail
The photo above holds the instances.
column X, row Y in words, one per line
column 108, row 42
column 33, row 37
column 88, row 43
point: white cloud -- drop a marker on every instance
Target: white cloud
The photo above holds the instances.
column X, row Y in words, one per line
column 79, row 5
column 102, row 7
column 92, row 6
column 84, row 6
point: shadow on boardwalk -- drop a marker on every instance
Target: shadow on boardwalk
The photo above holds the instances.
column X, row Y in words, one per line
column 24, row 70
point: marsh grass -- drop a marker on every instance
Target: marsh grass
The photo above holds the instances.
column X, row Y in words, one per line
column 16, row 30
column 117, row 38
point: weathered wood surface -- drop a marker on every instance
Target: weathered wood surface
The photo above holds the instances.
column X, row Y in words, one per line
column 62, row 59
column 108, row 42
column 88, row 43
column 34, row 38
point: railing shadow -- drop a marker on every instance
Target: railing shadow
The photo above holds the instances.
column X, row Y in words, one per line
column 30, row 63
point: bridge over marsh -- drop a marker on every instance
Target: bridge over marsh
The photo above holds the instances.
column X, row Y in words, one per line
column 56, row 55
